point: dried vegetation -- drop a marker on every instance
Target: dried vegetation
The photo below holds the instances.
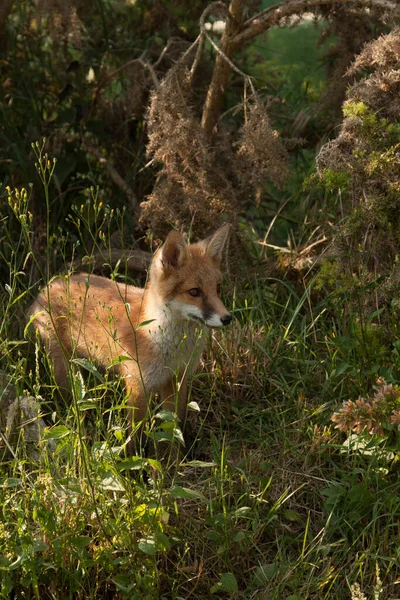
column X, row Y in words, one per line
column 363, row 162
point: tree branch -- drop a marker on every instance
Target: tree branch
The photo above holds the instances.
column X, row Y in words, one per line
column 272, row 15
column 215, row 94
column 237, row 34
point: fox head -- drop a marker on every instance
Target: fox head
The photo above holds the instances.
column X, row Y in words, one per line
column 188, row 278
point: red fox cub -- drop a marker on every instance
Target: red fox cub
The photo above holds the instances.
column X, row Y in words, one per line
column 156, row 330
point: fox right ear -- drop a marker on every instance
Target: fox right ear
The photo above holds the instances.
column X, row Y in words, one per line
column 173, row 251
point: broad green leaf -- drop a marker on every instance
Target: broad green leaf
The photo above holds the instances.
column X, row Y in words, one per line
column 11, row 482
column 111, row 483
column 180, row 492
column 147, row 545
column 88, row 366
column 227, row 583
column 163, row 542
column 56, row 433
column 134, row 463
column 165, row 415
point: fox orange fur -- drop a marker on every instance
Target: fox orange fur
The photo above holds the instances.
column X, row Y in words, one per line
column 157, row 330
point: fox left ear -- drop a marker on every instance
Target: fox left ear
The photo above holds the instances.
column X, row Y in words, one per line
column 173, row 251
column 214, row 245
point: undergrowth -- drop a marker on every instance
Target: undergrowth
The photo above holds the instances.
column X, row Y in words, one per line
column 267, row 500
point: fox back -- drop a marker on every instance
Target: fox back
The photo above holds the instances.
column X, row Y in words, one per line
column 153, row 336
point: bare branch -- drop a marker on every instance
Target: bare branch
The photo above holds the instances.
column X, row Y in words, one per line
column 215, row 94
column 237, row 34
column 274, row 14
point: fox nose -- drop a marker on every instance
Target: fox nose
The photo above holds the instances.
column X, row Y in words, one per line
column 226, row 319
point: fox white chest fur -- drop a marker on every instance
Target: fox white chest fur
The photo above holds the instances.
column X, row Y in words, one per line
column 154, row 336
column 178, row 344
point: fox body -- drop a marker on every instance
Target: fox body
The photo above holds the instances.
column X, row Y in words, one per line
column 153, row 336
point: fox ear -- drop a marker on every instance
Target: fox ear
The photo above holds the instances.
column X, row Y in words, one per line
column 214, row 245
column 173, row 251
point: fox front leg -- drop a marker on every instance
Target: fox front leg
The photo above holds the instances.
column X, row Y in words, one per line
column 136, row 411
column 174, row 397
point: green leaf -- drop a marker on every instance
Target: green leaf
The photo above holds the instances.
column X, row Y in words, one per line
column 56, row 433
column 87, row 404
column 163, row 542
column 376, row 313
column 119, row 360
column 200, row 464
column 242, row 512
column 11, row 482
column 180, row 492
column 154, row 464
column 134, row 463
column 31, row 320
column 292, row 515
column 178, row 435
column 346, row 342
column 147, row 545
column 165, row 415
column 265, row 573
column 160, row 436
column 239, row 537
column 144, row 323
column 227, row 583
column 88, row 366
column 79, row 541
column 340, row 370
column 17, row 299
column 111, row 483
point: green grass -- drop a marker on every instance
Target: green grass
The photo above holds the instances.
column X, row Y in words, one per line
column 265, row 501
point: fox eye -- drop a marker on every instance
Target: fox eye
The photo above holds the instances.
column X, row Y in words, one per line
column 195, row 292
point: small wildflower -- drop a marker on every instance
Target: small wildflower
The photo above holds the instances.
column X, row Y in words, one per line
column 371, row 414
